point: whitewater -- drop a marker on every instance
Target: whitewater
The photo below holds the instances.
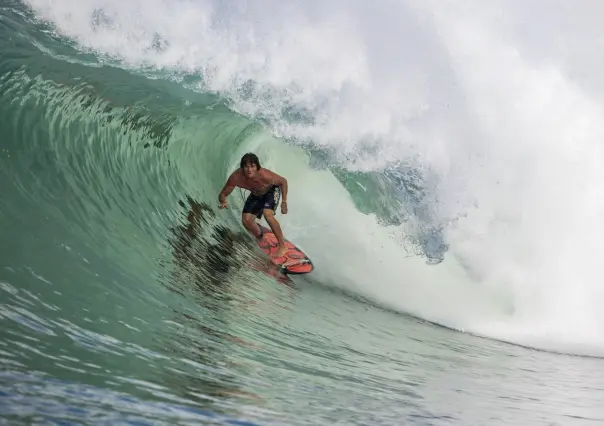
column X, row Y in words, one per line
column 445, row 176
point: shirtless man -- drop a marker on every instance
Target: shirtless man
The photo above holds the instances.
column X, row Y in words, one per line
column 264, row 186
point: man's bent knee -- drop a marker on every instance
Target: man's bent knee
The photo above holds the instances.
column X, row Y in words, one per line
column 268, row 214
column 248, row 220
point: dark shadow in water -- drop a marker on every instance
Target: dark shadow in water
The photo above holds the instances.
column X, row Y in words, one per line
column 204, row 253
column 205, row 257
column 207, row 253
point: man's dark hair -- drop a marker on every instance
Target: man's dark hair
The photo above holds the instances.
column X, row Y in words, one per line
column 249, row 158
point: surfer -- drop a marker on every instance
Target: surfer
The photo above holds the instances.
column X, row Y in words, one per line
column 265, row 189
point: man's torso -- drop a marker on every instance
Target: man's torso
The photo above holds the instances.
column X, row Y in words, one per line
column 258, row 185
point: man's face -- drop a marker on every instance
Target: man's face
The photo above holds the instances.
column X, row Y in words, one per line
column 249, row 169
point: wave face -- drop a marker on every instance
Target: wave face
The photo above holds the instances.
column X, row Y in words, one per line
column 452, row 126
column 444, row 163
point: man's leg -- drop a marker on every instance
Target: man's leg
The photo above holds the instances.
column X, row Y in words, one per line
column 249, row 221
column 252, row 210
column 269, row 216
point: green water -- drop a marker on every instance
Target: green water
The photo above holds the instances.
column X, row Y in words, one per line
column 127, row 297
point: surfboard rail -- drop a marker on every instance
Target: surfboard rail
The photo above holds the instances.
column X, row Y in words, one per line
column 294, row 262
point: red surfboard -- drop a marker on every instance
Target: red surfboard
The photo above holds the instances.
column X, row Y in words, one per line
column 294, row 261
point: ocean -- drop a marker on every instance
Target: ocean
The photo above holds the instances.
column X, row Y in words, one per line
column 445, row 166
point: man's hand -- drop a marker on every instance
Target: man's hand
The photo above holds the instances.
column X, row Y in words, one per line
column 284, row 207
column 226, row 190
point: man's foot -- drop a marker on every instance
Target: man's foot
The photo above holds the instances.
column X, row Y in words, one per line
column 280, row 252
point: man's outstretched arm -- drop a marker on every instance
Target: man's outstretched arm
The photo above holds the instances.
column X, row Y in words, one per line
column 229, row 186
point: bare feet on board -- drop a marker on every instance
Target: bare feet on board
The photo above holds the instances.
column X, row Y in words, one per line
column 280, row 252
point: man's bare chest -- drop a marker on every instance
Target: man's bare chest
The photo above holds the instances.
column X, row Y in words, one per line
column 254, row 185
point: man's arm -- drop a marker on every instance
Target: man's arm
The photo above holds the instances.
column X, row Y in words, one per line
column 275, row 179
column 226, row 191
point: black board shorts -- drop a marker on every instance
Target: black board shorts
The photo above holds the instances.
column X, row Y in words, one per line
column 255, row 204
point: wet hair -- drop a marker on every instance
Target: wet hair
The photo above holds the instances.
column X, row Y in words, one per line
column 250, row 158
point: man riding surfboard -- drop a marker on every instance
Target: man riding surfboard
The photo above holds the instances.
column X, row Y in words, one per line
column 266, row 188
